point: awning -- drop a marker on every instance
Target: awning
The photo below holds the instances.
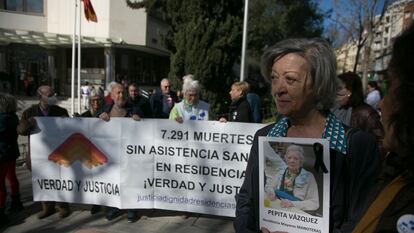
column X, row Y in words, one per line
column 47, row 40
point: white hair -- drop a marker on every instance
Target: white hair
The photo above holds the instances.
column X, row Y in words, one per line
column 110, row 86
column 188, row 77
column 191, row 86
column 296, row 148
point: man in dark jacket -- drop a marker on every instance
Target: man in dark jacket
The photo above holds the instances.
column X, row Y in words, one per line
column 135, row 99
column 163, row 100
column 46, row 108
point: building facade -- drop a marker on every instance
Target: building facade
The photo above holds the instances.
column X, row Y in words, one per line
column 36, row 45
column 398, row 16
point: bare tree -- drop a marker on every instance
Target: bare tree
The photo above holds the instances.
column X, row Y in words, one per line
column 356, row 21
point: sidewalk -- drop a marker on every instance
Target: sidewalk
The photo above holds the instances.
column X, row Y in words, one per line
column 81, row 221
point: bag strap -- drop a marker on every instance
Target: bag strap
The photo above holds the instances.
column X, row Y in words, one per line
column 369, row 221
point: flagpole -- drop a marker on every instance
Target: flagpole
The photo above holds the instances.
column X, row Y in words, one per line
column 79, row 56
column 244, row 40
column 72, row 94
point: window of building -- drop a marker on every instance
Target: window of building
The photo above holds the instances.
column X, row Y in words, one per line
column 387, row 29
column 385, row 41
column 387, row 19
column 30, row 6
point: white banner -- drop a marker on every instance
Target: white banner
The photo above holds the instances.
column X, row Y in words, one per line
column 195, row 166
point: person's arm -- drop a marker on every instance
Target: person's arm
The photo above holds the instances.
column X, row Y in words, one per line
column 26, row 124
column 146, row 108
column 247, row 200
column 154, row 102
column 174, row 115
column 276, row 166
column 367, row 118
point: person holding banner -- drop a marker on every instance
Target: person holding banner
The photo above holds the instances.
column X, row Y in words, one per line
column 191, row 107
column 119, row 109
column 392, row 207
column 135, row 98
column 96, row 102
column 293, row 185
column 239, row 109
column 163, row 100
column 46, row 108
column 302, row 73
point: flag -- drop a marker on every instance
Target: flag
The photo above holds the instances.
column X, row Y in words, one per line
column 89, row 11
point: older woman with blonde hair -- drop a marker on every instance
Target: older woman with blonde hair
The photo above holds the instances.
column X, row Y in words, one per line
column 239, row 109
column 302, row 73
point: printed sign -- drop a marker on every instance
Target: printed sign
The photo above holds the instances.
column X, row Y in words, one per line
column 197, row 166
column 294, row 196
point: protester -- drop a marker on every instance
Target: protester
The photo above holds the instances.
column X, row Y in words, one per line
column 353, row 111
column 373, row 94
column 302, row 73
column 163, row 100
column 9, row 152
column 239, row 110
column 46, row 108
column 191, row 107
column 119, row 109
column 85, row 92
column 293, row 185
column 392, row 208
column 136, row 99
column 108, row 99
column 96, row 103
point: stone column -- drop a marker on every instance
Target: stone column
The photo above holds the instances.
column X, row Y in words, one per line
column 109, row 65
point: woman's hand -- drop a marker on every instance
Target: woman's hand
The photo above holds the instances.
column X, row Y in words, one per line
column 136, row 117
column 271, row 196
column 179, row 120
column 285, row 203
column 222, row 119
column 104, row 116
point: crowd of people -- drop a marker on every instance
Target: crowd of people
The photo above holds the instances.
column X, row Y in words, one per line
column 371, row 170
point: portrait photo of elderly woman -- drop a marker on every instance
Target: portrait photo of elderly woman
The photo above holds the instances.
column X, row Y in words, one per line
column 288, row 184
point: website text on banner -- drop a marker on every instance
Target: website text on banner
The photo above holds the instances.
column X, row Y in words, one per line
column 194, row 166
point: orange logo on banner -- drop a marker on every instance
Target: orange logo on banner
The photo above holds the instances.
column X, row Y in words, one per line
column 78, row 147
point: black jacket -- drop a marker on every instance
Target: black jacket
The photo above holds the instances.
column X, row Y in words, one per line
column 143, row 104
column 157, row 104
column 9, row 149
column 239, row 111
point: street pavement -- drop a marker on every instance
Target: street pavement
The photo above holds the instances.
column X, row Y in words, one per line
column 81, row 221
